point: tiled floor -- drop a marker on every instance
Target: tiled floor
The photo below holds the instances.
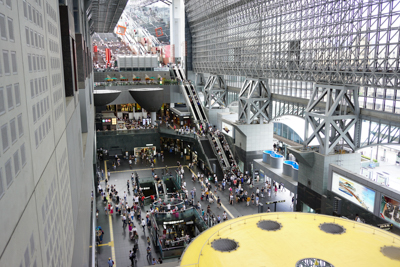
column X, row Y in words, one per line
column 122, row 242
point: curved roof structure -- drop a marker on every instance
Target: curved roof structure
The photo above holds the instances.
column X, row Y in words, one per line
column 288, row 239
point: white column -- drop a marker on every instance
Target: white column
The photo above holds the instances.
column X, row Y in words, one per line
column 177, row 31
column 153, row 116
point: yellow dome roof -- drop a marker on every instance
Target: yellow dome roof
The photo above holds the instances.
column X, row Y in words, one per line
column 296, row 236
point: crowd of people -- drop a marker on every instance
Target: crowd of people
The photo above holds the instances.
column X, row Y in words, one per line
column 233, row 180
column 116, row 47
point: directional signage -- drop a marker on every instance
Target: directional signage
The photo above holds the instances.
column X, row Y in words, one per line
column 274, row 202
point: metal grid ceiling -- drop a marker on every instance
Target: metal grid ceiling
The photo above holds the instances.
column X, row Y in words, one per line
column 349, row 42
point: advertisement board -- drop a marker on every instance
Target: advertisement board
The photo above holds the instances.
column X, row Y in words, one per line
column 227, row 129
column 389, row 210
column 354, row 192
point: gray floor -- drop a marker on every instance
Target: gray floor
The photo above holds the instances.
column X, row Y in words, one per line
column 123, row 244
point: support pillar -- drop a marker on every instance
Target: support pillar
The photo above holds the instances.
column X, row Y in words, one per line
column 255, row 102
column 177, row 31
column 332, row 112
column 153, row 116
column 215, row 91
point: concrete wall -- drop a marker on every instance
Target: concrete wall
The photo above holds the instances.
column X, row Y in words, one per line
column 316, row 176
column 212, row 114
column 258, row 136
column 46, row 208
column 229, row 118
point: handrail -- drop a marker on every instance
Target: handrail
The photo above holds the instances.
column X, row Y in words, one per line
column 222, row 151
column 215, row 151
column 196, row 120
column 201, row 107
column 196, row 106
column 157, row 194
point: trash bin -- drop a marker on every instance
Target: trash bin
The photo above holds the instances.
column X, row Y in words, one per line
column 260, row 208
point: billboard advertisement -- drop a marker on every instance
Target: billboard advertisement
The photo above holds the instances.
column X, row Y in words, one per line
column 227, row 129
column 354, row 192
column 389, row 210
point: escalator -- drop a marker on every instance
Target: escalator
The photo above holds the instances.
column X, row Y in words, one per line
column 207, row 148
column 212, row 158
column 194, row 104
column 191, row 104
column 201, row 109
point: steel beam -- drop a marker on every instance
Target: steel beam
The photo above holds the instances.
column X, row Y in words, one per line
column 255, row 102
column 215, row 90
column 335, row 122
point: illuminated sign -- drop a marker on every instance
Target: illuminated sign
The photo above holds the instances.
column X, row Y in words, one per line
column 227, row 129
column 114, row 121
column 389, row 210
column 354, row 192
column 174, row 222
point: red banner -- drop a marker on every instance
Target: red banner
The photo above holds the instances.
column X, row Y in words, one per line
column 108, row 55
column 95, row 49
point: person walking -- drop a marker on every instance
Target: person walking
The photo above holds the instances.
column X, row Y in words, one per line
column 123, row 221
column 110, row 262
column 132, row 256
column 144, row 226
column 276, row 190
column 148, row 253
column 231, row 199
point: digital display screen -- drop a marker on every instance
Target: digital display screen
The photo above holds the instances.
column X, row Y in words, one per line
column 227, row 129
column 389, row 210
column 354, row 192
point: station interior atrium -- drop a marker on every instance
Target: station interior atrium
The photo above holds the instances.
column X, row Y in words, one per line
column 199, row 133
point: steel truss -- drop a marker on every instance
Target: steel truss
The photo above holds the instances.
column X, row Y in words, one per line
column 378, row 132
column 335, row 121
column 349, row 43
column 255, row 102
column 215, row 90
column 282, row 108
